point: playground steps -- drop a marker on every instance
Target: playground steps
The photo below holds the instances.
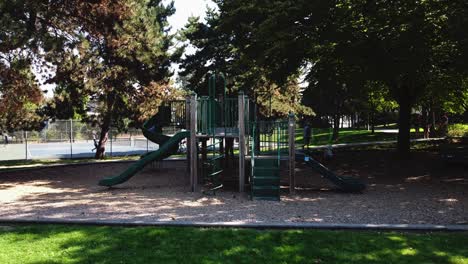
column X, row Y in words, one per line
column 212, row 168
column 455, row 151
column 266, row 180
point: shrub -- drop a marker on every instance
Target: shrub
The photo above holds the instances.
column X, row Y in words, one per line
column 458, row 130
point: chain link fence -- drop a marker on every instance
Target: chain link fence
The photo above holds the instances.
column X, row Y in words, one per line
column 68, row 139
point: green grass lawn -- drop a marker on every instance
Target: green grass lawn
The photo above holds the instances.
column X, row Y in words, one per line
column 431, row 146
column 322, row 136
column 80, row 244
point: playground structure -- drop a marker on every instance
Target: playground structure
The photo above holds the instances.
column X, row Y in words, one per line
column 456, row 154
column 211, row 125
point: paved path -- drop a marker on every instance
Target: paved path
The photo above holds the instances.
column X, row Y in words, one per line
column 240, row 224
column 341, row 145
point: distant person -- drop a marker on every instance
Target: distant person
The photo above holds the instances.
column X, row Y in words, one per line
column 307, row 135
column 5, row 136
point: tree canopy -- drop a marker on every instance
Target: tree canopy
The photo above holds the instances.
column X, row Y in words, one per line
column 216, row 52
column 408, row 46
column 110, row 60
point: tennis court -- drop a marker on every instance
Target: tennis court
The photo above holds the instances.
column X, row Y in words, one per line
column 77, row 149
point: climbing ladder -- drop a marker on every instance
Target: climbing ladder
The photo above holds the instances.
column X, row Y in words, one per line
column 213, row 165
column 269, row 142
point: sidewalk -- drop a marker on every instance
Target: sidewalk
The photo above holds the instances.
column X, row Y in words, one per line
column 341, row 145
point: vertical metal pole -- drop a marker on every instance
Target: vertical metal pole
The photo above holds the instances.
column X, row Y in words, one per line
column 292, row 153
column 71, row 138
column 25, row 135
column 193, row 144
column 247, row 108
column 187, row 126
column 241, row 142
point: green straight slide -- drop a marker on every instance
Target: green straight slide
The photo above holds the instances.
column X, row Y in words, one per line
column 167, row 147
column 344, row 183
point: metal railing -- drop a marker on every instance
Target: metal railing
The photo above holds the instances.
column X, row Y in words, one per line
column 269, row 138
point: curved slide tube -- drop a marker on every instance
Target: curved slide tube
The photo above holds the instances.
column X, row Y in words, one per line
column 163, row 152
column 152, row 129
column 344, row 183
column 167, row 147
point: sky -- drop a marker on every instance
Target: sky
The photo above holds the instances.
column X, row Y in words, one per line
column 184, row 10
column 187, row 8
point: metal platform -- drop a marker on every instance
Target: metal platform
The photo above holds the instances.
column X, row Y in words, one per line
column 221, row 132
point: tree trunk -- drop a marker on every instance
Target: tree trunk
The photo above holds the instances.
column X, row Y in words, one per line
column 358, row 121
column 404, row 123
column 336, row 127
column 424, row 121
column 105, row 127
column 433, row 132
column 101, row 147
column 372, row 120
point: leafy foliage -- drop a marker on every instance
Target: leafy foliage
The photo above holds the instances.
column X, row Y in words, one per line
column 407, row 46
column 19, row 97
column 110, row 59
column 216, row 52
column 458, row 130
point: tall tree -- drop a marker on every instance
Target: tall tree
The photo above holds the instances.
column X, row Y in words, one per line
column 116, row 59
column 398, row 43
column 376, row 101
column 21, row 35
column 111, row 55
column 404, row 44
column 20, row 97
column 215, row 52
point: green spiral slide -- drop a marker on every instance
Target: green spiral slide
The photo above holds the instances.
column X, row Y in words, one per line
column 167, row 147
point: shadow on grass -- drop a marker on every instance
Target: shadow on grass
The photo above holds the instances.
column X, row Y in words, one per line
column 77, row 244
column 322, row 136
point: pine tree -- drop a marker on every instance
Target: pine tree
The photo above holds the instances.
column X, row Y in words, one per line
column 117, row 60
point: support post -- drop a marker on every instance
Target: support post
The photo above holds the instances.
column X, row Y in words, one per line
column 247, row 143
column 241, row 142
column 25, row 136
column 292, row 153
column 187, row 126
column 193, row 144
column 71, row 138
